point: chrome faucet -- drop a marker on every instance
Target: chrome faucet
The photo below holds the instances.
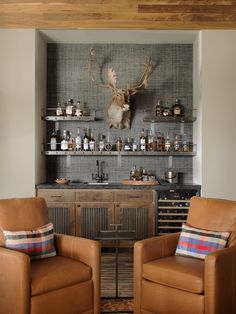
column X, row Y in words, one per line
column 100, row 176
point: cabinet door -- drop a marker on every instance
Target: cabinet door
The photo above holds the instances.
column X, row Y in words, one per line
column 62, row 215
column 93, row 217
column 137, row 217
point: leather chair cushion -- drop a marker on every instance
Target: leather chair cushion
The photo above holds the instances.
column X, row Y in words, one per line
column 57, row 272
column 177, row 272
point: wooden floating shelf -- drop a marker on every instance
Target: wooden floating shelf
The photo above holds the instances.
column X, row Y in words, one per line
column 114, row 153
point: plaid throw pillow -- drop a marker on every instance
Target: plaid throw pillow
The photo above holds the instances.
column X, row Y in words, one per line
column 198, row 242
column 37, row 244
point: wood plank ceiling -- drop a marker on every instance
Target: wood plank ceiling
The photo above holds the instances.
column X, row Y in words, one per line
column 118, row 14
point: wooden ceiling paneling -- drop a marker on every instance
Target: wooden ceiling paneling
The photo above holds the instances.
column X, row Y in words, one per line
column 118, row 14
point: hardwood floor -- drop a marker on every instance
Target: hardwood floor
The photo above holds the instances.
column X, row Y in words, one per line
column 125, row 274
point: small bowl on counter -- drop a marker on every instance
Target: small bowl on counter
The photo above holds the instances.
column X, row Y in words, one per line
column 62, row 181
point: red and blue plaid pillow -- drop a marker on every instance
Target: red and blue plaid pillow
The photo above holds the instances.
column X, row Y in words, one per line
column 37, row 243
column 198, row 243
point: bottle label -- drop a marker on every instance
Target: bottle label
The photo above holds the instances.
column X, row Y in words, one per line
column 92, row 146
column 86, row 145
column 78, row 143
column 101, row 146
column 53, row 144
column 64, row 145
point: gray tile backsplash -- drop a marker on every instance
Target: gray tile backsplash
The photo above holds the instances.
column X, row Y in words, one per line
column 67, row 77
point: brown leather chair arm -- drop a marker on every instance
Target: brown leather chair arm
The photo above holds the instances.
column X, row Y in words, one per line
column 14, row 282
column 146, row 251
column 154, row 248
column 220, row 282
column 86, row 251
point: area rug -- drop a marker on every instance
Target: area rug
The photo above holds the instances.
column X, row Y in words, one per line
column 117, row 305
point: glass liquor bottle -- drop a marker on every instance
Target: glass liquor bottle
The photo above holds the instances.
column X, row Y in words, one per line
column 53, row 141
column 70, row 142
column 177, row 108
column 92, row 143
column 64, row 142
column 142, row 141
column 150, row 141
column 69, row 107
column 86, row 141
column 78, row 141
column 101, row 144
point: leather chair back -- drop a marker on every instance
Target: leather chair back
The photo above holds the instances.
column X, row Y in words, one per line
column 22, row 214
column 213, row 214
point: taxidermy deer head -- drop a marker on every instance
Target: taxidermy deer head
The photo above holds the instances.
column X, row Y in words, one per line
column 118, row 112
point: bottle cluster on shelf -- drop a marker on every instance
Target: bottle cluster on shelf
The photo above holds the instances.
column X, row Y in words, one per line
column 164, row 111
column 147, row 141
column 71, row 109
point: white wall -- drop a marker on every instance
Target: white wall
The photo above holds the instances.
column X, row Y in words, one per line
column 23, row 92
column 17, row 113
column 218, row 101
column 40, row 103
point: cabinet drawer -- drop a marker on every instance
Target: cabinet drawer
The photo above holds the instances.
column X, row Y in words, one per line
column 57, row 195
column 134, row 196
column 94, row 196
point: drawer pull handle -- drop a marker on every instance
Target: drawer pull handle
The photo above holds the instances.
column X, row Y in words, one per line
column 56, row 196
column 134, row 196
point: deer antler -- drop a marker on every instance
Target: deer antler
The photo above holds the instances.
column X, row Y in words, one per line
column 111, row 77
column 111, row 73
column 143, row 80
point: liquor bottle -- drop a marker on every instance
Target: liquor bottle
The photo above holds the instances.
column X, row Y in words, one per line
column 59, row 111
column 108, row 145
column 159, row 109
column 150, row 141
column 53, row 141
column 142, row 141
column 167, row 143
column 64, row 142
column 101, row 144
column 128, row 145
column 119, row 144
column 78, row 109
column 134, row 145
column 78, row 141
column 86, row 141
column 92, row 143
column 176, row 143
column 70, row 142
column 177, row 108
column 69, row 107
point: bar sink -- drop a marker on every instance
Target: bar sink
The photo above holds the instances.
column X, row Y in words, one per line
column 97, row 183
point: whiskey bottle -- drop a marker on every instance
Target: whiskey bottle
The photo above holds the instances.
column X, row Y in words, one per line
column 142, row 141
column 150, row 141
column 119, row 144
column 64, row 142
column 70, row 142
column 101, row 144
column 78, row 141
column 86, row 141
column 69, row 107
column 53, row 141
column 92, row 143
column 177, row 109
column 78, row 110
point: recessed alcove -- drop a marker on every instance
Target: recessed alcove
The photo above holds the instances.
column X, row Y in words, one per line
column 172, row 51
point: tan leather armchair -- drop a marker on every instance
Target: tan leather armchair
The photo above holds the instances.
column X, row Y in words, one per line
column 68, row 283
column 169, row 284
